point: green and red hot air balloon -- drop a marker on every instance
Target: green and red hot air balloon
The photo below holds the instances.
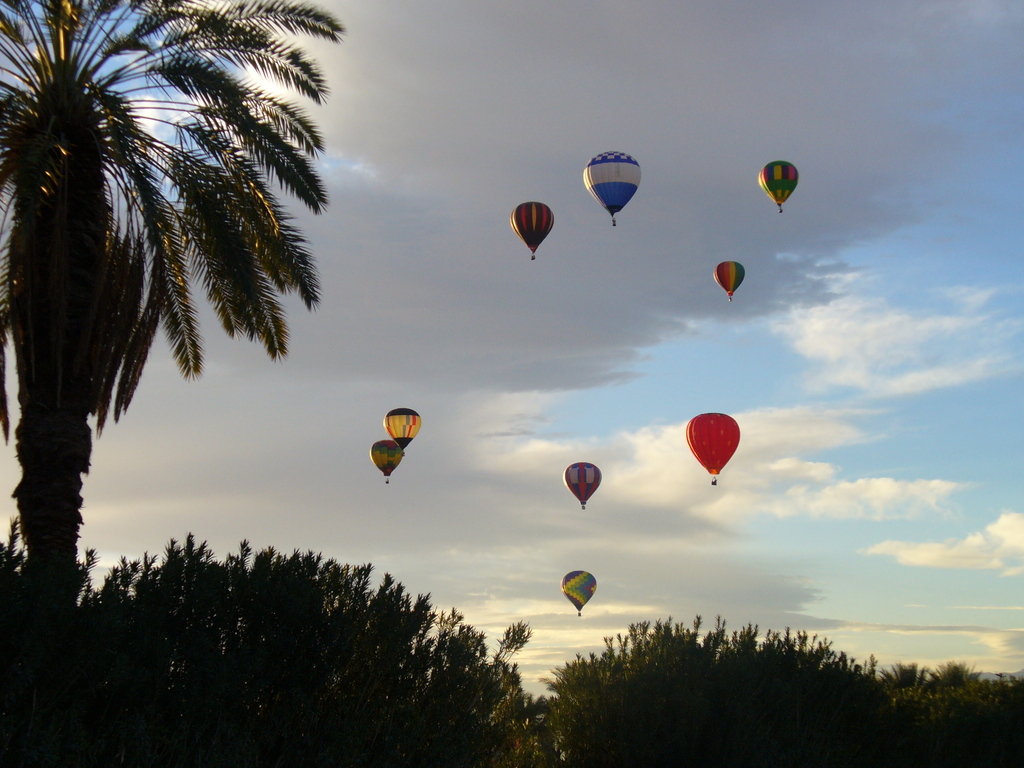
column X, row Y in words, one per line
column 778, row 180
column 729, row 275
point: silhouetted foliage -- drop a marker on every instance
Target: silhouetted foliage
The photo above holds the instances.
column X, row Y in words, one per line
column 264, row 659
column 904, row 676
column 667, row 695
column 260, row 660
column 972, row 722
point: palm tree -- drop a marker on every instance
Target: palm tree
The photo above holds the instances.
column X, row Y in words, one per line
column 139, row 143
column 952, row 674
column 901, row 675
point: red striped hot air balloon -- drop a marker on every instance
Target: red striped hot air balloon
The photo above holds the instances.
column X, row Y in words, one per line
column 729, row 275
column 582, row 479
column 713, row 438
column 532, row 221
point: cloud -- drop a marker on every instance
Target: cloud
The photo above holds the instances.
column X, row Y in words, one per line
column 872, row 498
column 652, row 468
column 987, row 648
column 1000, row 546
column 865, row 344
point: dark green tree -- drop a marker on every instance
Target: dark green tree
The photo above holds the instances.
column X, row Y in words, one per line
column 665, row 695
column 261, row 659
column 140, row 154
column 904, row 676
column 951, row 674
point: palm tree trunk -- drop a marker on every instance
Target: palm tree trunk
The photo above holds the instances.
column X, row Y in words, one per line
column 54, row 445
column 53, row 310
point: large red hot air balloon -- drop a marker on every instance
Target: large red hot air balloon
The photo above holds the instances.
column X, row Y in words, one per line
column 532, row 221
column 713, row 438
column 582, row 479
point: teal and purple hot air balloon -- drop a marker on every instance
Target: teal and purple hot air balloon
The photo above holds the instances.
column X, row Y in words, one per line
column 612, row 178
column 578, row 587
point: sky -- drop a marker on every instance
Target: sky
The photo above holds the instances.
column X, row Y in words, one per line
column 872, row 357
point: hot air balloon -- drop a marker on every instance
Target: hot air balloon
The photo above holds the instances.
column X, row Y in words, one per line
column 578, row 587
column 386, row 455
column 729, row 275
column 778, row 180
column 402, row 424
column 713, row 438
column 612, row 178
column 582, row 479
column 532, row 222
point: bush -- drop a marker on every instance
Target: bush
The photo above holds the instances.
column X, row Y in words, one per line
column 260, row 660
column 665, row 695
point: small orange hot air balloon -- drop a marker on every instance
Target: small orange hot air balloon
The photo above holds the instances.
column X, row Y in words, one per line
column 713, row 438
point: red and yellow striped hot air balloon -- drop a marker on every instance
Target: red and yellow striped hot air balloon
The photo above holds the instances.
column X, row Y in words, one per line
column 532, row 221
column 729, row 275
column 402, row 424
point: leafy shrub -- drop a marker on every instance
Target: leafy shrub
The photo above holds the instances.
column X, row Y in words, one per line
column 260, row 660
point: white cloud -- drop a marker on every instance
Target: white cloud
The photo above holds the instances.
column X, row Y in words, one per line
column 873, row 498
column 652, row 467
column 868, row 345
column 1000, row 546
column 986, row 648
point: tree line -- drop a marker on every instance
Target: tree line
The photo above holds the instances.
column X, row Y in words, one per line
column 266, row 659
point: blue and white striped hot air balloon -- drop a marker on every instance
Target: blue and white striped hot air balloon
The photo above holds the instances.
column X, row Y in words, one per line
column 612, row 178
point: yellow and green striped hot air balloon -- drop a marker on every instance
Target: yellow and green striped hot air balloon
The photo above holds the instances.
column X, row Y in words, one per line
column 386, row 455
column 778, row 180
column 578, row 587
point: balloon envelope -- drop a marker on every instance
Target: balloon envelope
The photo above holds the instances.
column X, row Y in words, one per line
column 578, row 587
column 582, row 479
column 729, row 275
column 612, row 178
column 713, row 438
column 532, row 222
column 778, row 180
column 386, row 455
column 402, row 424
